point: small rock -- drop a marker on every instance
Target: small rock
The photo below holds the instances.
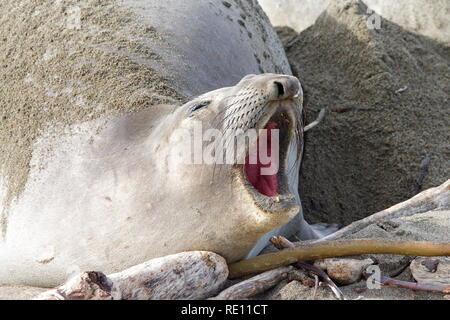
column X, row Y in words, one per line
column 431, row 270
column 343, row 270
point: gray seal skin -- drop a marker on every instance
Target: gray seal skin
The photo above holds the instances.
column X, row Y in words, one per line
column 101, row 194
column 116, row 198
column 210, row 44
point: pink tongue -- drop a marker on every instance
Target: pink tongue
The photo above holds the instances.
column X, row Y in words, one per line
column 265, row 184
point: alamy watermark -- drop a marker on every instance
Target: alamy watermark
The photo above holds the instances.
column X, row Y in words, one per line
column 254, row 146
column 374, row 280
column 373, row 20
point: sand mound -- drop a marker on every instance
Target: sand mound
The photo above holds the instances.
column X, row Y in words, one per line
column 366, row 154
column 428, row 18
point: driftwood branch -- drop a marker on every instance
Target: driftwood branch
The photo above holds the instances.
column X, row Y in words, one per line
column 255, row 285
column 315, row 122
column 324, row 277
column 86, row 286
column 413, row 285
column 281, row 243
column 331, row 249
column 187, row 275
column 427, row 200
column 386, row 281
column 316, row 286
column 423, row 169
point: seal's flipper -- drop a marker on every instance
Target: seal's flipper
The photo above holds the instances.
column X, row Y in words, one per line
column 325, row 229
column 295, row 230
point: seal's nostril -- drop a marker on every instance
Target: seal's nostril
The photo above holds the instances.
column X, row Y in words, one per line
column 280, row 88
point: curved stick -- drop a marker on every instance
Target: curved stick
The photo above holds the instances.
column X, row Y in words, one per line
column 255, row 285
column 331, row 249
column 315, row 122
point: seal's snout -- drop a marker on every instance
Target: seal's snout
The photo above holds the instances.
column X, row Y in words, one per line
column 285, row 87
column 271, row 102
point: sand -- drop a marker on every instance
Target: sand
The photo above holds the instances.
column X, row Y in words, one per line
column 366, row 155
column 424, row 17
column 55, row 71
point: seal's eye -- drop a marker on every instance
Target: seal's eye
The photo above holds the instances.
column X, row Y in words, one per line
column 199, row 106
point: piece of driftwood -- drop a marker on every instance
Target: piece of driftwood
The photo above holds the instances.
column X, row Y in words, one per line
column 427, row 200
column 386, row 281
column 255, row 285
column 401, row 89
column 324, row 277
column 423, row 169
column 186, row 275
column 332, row 249
column 315, row 122
column 90, row 285
column 316, row 286
column 431, row 270
column 281, row 243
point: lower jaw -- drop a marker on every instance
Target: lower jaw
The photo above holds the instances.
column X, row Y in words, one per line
column 283, row 204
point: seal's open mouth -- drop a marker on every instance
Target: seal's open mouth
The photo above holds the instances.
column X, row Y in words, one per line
column 267, row 184
column 267, row 176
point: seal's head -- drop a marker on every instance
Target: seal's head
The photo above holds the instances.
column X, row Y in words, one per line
column 242, row 156
column 163, row 180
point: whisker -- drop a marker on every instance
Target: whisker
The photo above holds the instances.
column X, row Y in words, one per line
column 299, row 138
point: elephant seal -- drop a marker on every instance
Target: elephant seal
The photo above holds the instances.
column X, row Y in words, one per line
column 86, row 179
column 116, row 198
